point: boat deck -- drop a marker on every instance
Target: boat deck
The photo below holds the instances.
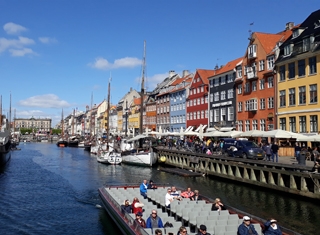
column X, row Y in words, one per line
column 182, row 213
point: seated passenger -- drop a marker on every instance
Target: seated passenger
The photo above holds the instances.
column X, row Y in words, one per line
column 246, row 227
column 168, row 198
column 271, row 228
column 187, row 194
column 182, row 231
column 144, row 188
column 154, row 221
column 217, row 205
column 126, row 206
column 196, row 196
column 203, row 230
column 151, row 185
column 158, row 232
column 139, row 220
column 136, row 206
column 175, row 193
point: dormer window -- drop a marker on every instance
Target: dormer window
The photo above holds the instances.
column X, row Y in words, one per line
column 270, row 60
column 287, row 49
column 295, row 33
column 306, row 44
column 252, row 51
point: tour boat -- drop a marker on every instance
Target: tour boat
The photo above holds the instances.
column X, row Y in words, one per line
column 5, row 147
column 190, row 214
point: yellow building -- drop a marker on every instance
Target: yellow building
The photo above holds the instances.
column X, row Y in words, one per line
column 298, row 78
column 134, row 117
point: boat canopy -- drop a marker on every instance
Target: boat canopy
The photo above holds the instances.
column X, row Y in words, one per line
column 138, row 137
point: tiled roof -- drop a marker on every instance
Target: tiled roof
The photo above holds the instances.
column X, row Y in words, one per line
column 269, row 41
column 229, row 66
column 205, row 74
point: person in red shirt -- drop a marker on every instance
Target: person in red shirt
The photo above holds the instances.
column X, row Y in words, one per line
column 187, row 194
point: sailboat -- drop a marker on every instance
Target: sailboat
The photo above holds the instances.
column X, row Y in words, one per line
column 110, row 156
column 62, row 142
column 5, row 137
column 138, row 150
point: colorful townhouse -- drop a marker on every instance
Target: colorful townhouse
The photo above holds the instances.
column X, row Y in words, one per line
column 197, row 101
column 298, row 78
column 222, row 97
column 151, row 113
column 255, row 82
column 163, row 101
column 178, row 102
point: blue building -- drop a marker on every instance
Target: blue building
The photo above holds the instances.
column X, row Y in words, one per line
column 178, row 96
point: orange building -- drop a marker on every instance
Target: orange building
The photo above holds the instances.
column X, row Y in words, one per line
column 255, row 82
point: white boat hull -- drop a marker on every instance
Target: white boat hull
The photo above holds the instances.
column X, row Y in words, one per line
column 112, row 158
column 142, row 159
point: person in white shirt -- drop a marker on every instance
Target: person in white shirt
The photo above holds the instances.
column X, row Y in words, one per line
column 168, row 198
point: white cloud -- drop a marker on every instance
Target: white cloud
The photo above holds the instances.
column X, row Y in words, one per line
column 12, row 28
column 47, row 40
column 153, row 81
column 29, row 113
column 44, row 101
column 14, row 43
column 22, row 52
column 127, row 62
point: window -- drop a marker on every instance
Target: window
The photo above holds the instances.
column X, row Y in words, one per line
column 261, row 65
column 230, row 113
column 206, row 99
column 223, row 95
column 247, row 108
column 262, row 103
column 313, row 94
column 292, row 72
column 282, row 72
column 254, row 85
column 194, row 90
column 306, row 44
column 292, row 96
column 301, row 68
column 223, row 114
column 247, row 87
column 247, row 128
column 211, row 83
column 270, row 60
column 253, row 105
column 230, row 93
column 201, row 89
column 287, row 50
column 202, row 114
column 252, row 49
column 254, row 125
column 302, row 124
column 302, row 95
column 194, row 115
column 190, row 91
column 195, row 102
column 202, row 100
column 206, row 113
column 270, row 82
column 211, row 115
column 270, row 103
column 240, row 89
column 313, row 123
column 292, row 124
column 240, row 126
column 216, row 96
column 211, row 97
column 282, row 98
column 239, row 71
column 198, row 80
column 282, row 123
column 191, row 116
column 245, row 70
column 198, row 101
column 223, row 80
column 313, row 65
column 216, row 82
column 261, row 83
column 229, row 78
column 239, row 106
column 262, row 125
column 216, row 115
column 198, row 90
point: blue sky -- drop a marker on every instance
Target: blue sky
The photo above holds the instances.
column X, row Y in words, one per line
column 55, row 53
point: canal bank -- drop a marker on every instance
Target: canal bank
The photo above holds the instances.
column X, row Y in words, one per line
column 50, row 190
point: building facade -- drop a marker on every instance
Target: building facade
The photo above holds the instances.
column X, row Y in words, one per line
column 39, row 125
column 298, row 78
column 222, row 97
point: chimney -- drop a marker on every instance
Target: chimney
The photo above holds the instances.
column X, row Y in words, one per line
column 172, row 73
column 130, row 89
column 289, row 25
column 185, row 73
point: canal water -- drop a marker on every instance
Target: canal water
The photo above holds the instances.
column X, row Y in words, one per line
column 50, row 190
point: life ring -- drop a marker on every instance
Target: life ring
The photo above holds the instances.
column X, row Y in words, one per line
column 162, row 159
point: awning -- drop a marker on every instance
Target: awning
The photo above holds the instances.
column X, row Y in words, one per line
column 225, row 129
column 211, row 129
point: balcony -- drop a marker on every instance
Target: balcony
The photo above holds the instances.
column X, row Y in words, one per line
column 252, row 55
column 252, row 73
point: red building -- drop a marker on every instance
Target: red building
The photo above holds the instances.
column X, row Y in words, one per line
column 197, row 101
column 255, row 86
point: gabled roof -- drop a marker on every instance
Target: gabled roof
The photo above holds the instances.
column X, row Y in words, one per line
column 229, row 66
column 269, row 41
column 204, row 74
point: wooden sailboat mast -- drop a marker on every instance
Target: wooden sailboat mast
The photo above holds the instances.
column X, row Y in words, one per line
column 62, row 126
column 142, row 88
column 108, row 112
column 72, row 123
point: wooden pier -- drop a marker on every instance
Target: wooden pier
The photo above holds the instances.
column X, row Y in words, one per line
column 293, row 179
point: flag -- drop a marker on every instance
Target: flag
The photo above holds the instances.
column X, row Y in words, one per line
column 251, row 23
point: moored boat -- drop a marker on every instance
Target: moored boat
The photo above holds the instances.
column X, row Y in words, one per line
column 5, row 147
column 73, row 141
column 190, row 214
column 62, row 143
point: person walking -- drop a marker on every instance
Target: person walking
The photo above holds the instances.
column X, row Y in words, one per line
column 275, row 149
column 268, row 151
column 297, row 150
